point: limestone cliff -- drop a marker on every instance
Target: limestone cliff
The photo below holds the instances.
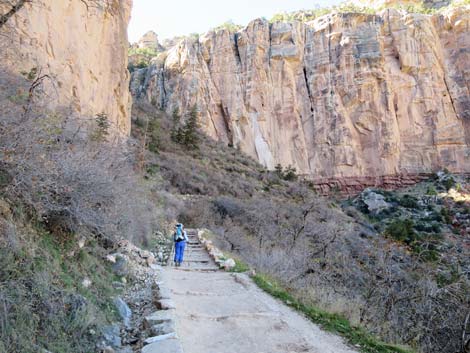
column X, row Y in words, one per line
column 346, row 95
column 82, row 48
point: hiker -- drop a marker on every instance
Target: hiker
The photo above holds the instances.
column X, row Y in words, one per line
column 180, row 237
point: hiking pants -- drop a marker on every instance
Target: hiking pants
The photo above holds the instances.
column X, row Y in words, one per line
column 179, row 251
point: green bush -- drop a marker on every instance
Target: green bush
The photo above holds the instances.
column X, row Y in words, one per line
column 402, row 230
column 428, row 227
column 148, row 52
column 229, row 26
column 431, row 191
column 448, row 183
column 288, row 174
column 447, row 215
column 240, row 266
column 154, row 136
column 409, row 201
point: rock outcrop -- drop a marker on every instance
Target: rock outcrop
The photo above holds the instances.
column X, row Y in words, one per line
column 82, row 48
column 344, row 96
column 150, row 41
column 380, row 4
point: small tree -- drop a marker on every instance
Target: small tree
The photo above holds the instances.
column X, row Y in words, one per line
column 176, row 130
column 290, row 174
column 102, row 129
column 189, row 133
column 154, row 142
column 278, row 170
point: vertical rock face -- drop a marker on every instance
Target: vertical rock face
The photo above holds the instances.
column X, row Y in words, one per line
column 344, row 96
column 82, row 48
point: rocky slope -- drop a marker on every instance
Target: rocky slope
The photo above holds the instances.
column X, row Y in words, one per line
column 344, row 96
column 82, row 48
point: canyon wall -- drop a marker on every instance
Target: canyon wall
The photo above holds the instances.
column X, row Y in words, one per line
column 343, row 96
column 80, row 47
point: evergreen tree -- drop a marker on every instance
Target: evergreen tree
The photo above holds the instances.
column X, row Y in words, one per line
column 102, row 128
column 290, row 174
column 176, row 129
column 278, row 170
column 189, row 133
column 154, row 142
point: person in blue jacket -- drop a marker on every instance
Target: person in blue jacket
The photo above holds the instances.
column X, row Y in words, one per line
column 180, row 238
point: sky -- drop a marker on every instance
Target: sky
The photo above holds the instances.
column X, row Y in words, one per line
column 171, row 18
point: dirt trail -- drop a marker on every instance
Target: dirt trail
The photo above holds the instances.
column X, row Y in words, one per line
column 220, row 312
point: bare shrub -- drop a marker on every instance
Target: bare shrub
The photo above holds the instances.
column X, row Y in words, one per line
column 324, row 258
column 72, row 183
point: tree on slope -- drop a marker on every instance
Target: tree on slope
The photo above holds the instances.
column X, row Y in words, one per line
column 189, row 133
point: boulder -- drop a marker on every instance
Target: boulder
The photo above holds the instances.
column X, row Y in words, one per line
column 375, row 202
column 229, row 264
column 111, row 335
column 145, row 254
column 124, row 310
column 120, row 267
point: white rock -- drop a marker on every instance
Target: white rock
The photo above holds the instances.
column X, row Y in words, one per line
column 81, row 242
column 160, row 338
column 144, row 254
column 111, row 258
column 229, row 264
column 86, row 282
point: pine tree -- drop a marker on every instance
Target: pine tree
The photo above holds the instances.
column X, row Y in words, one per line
column 290, row 173
column 102, row 128
column 279, row 171
column 154, row 143
column 176, row 129
column 189, row 133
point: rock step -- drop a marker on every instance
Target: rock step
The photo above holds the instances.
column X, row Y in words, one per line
column 199, row 269
column 195, row 255
column 205, row 261
column 170, row 345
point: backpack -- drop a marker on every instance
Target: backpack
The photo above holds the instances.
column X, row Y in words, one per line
column 179, row 235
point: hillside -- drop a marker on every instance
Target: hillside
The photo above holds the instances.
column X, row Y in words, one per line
column 335, row 253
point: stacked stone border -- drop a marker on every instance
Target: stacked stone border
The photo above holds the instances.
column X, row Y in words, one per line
column 217, row 255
